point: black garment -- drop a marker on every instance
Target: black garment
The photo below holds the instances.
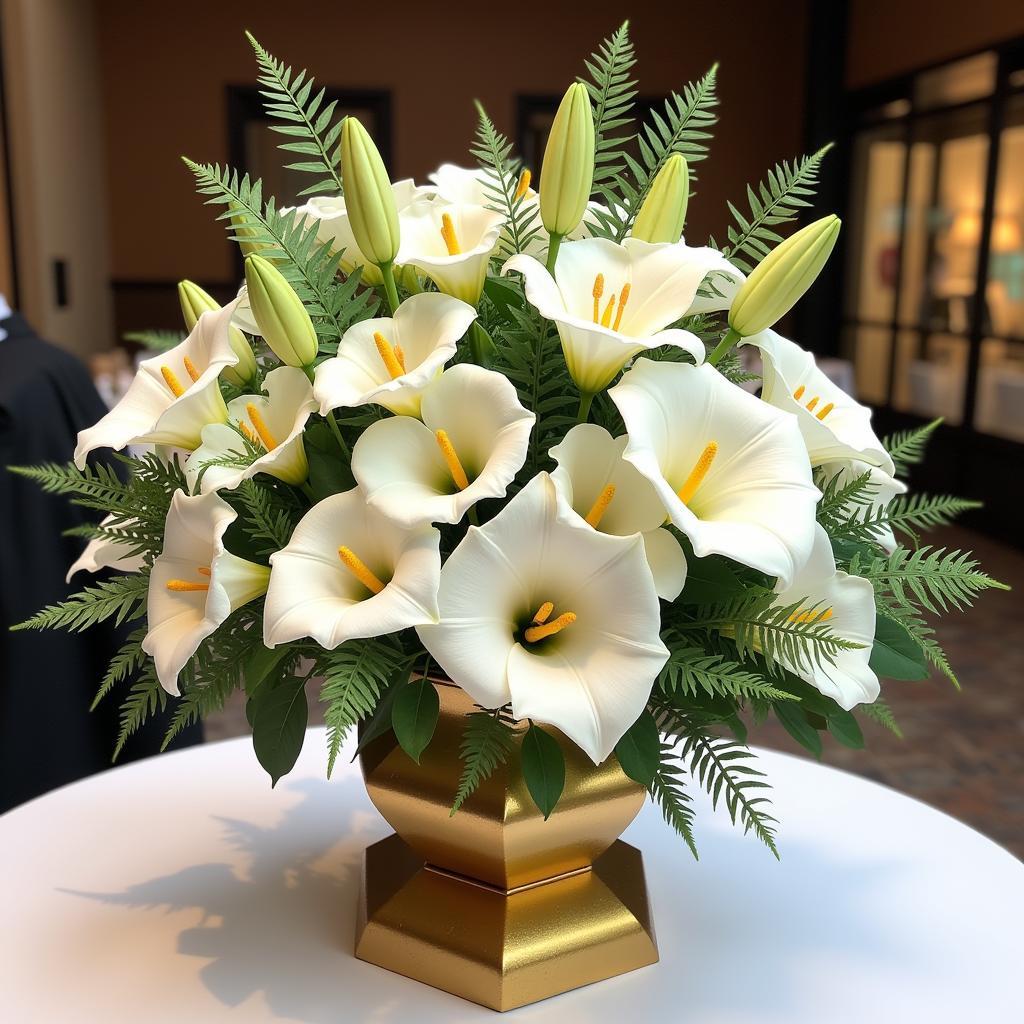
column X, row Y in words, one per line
column 48, row 679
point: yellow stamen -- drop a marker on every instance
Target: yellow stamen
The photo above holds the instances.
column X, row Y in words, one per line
column 623, row 299
column 452, row 459
column 524, row 184
column 249, row 433
column 260, row 427
column 799, row 393
column 543, row 613
column 357, row 567
column 388, row 355
column 598, row 509
column 597, row 292
column 699, row 471
column 203, row 570
column 534, row 633
column 190, row 368
column 451, row 240
column 185, row 586
column 812, row 403
column 826, row 410
column 172, row 381
column 400, row 356
column 606, row 316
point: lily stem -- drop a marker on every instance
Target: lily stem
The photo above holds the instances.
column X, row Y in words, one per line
column 727, row 342
column 336, row 430
column 586, row 399
column 554, row 243
column 387, row 271
column 480, row 344
column 473, row 518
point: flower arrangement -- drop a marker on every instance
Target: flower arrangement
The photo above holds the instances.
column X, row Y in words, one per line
column 505, row 435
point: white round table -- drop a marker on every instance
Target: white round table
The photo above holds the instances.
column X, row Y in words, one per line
column 184, row 889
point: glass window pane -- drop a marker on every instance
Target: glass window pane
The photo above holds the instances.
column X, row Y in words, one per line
column 868, row 349
column 1005, row 292
column 878, row 164
column 931, row 371
column 1000, row 402
column 959, row 82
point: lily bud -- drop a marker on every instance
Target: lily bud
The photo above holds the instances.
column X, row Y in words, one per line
column 369, row 199
column 280, row 314
column 782, row 277
column 194, row 303
column 242, row 231
column 567, row 174
column 663, row 213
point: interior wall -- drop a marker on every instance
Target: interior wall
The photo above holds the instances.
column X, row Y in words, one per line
column 58, row 178
column 165, row 69
column 888, row 39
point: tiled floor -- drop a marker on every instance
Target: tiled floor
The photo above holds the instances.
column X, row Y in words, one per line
column 962, row 752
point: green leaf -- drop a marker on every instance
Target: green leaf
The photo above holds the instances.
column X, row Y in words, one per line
column 639, row 750
column 896, row 655
column 280, row 716
column 503, row 294
column 414, row 716
column 845, row 729
column 709, row 581
column 380, row 721
column 543, row 768
column 328, row 472
column 260, row 664
column 487, row 740
column 794, row 721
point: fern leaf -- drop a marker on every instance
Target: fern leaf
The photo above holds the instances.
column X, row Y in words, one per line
column 122, row 599
column 612, row 93
column 486, row 743
column 668, row 793
column 268, row 514
column 907, row 447
column 692, row 670
column 881, row 713
column 129, row 659
column 144, row 700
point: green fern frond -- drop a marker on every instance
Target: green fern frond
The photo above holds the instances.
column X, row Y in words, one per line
column 122, row 599
column 919, row 630
column 913, row 512
column 692, row 670
column 907, row 447
column 881, row 713
column 612, row 93
column 268, row 514
column 486, row 743
column 840, row 502
column 145, row 698
column 155, row 341
column 128, row 660
column 669, row 794
column 934, row 579
column 776, row 200
column 289, row 98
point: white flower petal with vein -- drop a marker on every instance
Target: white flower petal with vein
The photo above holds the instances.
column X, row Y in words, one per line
column 611, row 301
column 174, row 394
column 731, row 470
column 846, row 605
column 425, row 331
column 592, row 676
column 282, row 414
column 105, row 553
column 590, row 463
column 834, row 426
column 314, row 593
column 401, row 465
column 195, row 584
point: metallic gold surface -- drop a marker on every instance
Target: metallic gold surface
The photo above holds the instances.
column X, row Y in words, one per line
column 498, row 836
column 495, row 904
column 499, row 949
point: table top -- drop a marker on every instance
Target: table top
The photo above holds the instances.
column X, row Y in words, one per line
column 183, row 888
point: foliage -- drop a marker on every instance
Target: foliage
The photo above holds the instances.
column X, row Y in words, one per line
column 487, row 742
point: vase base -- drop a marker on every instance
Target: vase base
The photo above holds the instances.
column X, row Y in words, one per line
column 503, row 949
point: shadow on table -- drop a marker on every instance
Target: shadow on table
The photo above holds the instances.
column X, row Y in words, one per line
column 741, row 943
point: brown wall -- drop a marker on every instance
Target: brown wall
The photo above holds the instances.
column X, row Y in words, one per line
column 165, row 68
column 888, row 38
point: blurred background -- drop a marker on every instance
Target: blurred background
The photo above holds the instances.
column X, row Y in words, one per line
column 921, row 312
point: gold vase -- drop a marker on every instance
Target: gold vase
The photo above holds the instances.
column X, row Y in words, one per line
column 495, row 904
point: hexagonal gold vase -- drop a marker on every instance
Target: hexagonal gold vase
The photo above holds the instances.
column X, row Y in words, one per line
column 495, row 904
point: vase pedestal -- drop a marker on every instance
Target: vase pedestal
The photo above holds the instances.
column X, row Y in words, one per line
column 500, row 948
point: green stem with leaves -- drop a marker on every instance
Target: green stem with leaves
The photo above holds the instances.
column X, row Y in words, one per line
column 723, row 347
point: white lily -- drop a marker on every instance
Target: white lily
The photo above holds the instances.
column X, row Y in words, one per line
column 272, row 422
column 611, row 301
column 349, row 572
column 560, row 621
column 601, row 491
column 847, row 605
column 884, row 489
column 390, row 360
column 834, row 426
column 731, row 470
column 330, row 215
column 106, row 553
column 195, row 583
column 174, row 394
column 451, row 243
column 243, row 318
column 472, row 441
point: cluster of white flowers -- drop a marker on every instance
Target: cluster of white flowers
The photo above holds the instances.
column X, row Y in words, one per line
column 552, row 605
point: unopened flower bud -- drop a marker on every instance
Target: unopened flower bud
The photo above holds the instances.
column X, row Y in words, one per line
column 567, row 173
column 369, row 199
column 782, row 277
column 243, row 232
column 194, row 303
column 663, row 213
column 279, row 313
